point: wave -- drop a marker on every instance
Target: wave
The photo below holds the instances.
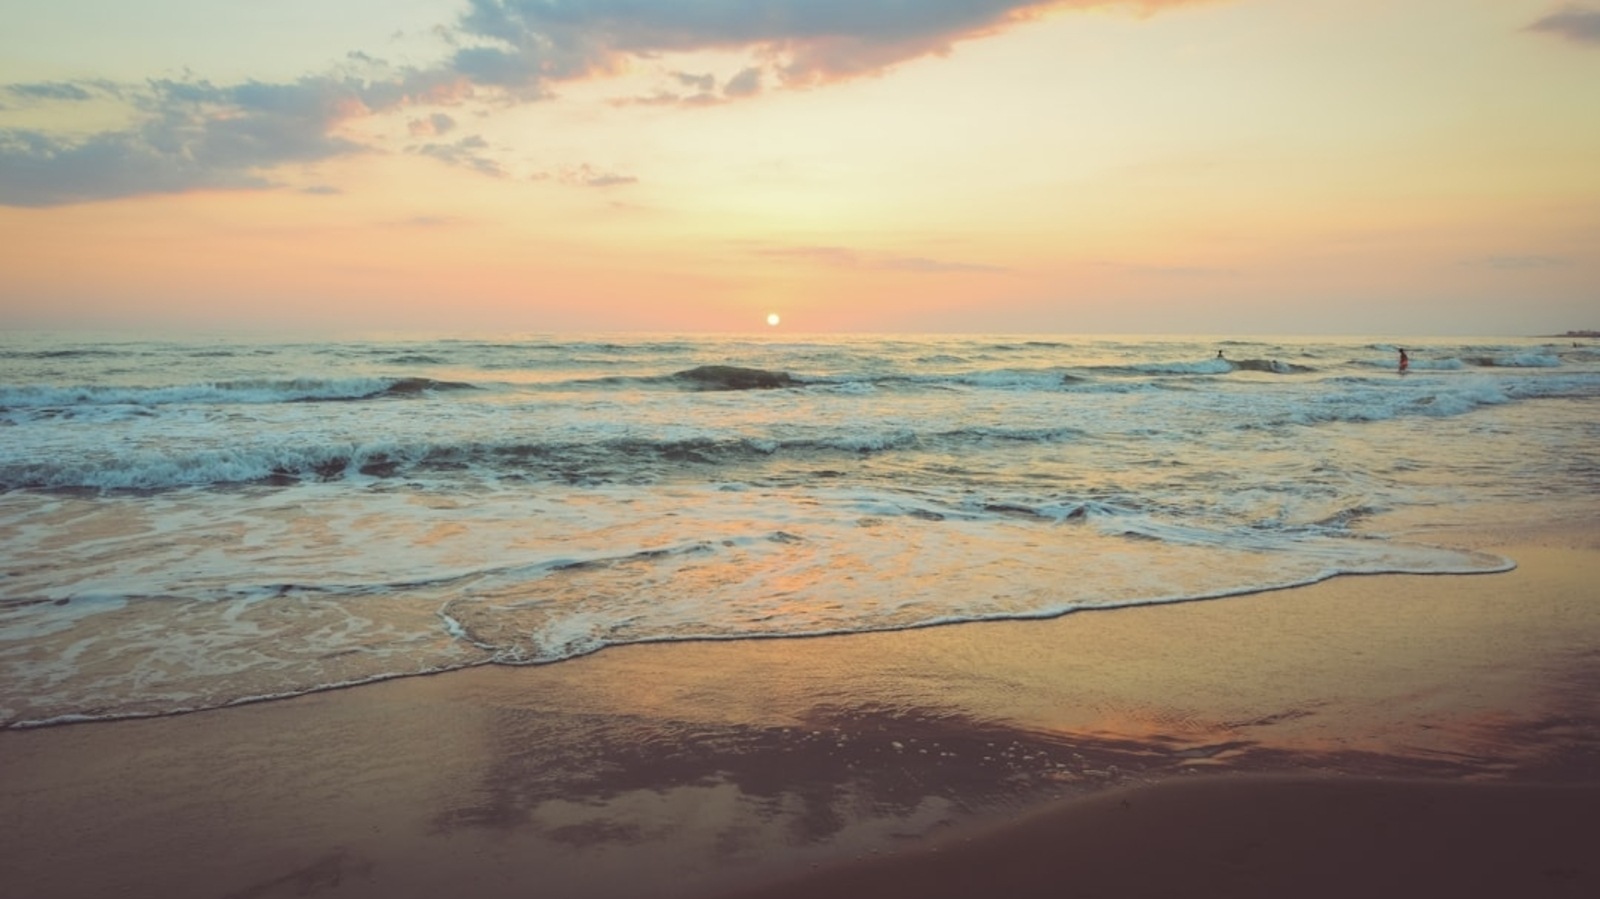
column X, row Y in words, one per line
column 622, row 460
column 1213, row 366
column 1217, row 366
column 1272, row 366
column 733, row 377
column 1510, row 359
column 258, row 391
column 71, row 353
column 513, row 627
column 1516, row 360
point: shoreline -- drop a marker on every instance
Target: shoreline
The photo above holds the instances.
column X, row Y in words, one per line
column 683, row 769
column 1504, row 565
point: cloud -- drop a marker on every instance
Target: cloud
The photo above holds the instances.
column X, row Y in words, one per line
column 526, row 43
column 321, row 190
column 704, row 83
column 843, row 257
column 586, row 175
column 1575, row 23
column 811, row 40
column 436, row 125
column 53, row 90
column 466, row 152
column 194, row 135
column 37, row 169
column 745, row 84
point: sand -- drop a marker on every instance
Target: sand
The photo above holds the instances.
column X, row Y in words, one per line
column 1259, row 837
column 1386, row 735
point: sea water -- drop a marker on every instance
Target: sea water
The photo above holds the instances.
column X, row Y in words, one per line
column 192, row 523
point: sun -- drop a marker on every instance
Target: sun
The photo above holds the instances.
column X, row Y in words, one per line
column 772, row 319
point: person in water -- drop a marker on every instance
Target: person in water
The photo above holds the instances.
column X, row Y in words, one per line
column 1405, row 362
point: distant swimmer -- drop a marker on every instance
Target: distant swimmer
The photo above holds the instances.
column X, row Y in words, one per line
column 1219, row 354
column 1405, row 362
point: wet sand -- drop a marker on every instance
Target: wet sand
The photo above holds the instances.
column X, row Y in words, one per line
column 1388, row 735
column 1241, row 836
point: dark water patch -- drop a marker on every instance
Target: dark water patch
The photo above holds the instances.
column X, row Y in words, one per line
column 380, row 467
column 74, row 354
column 1272, row 366
column 400, row 388
column 414, row 386
column 1013, row 511
column 733, row 377
column 647, row 555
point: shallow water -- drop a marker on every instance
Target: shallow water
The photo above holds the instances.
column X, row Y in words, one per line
column 189, row 524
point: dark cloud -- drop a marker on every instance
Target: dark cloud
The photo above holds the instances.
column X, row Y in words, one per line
column 814, row 39
column 809, row 40
column 1575, row 23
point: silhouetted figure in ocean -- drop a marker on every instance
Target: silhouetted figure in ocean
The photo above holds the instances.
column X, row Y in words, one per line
column 1405, row 362
column 1219, row 354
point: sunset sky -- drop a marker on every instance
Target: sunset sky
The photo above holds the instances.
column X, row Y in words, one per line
column 1192, row 166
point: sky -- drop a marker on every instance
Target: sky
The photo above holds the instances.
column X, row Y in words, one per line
column 1404, row 167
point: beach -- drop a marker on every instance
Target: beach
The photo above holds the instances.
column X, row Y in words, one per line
column 1390, row 734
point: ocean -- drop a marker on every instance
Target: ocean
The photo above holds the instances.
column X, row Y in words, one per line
column 190, row 523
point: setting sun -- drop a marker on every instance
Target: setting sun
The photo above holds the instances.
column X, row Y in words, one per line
column 772, row 319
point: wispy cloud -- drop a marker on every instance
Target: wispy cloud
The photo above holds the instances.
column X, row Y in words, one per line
column 468, row 152
column 844, row 257
column 1521, row 262
column 426, row 221
column 51, row 90
column 747, row 82
column 436, row 125
column 1575, row 23
column 586, row 175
